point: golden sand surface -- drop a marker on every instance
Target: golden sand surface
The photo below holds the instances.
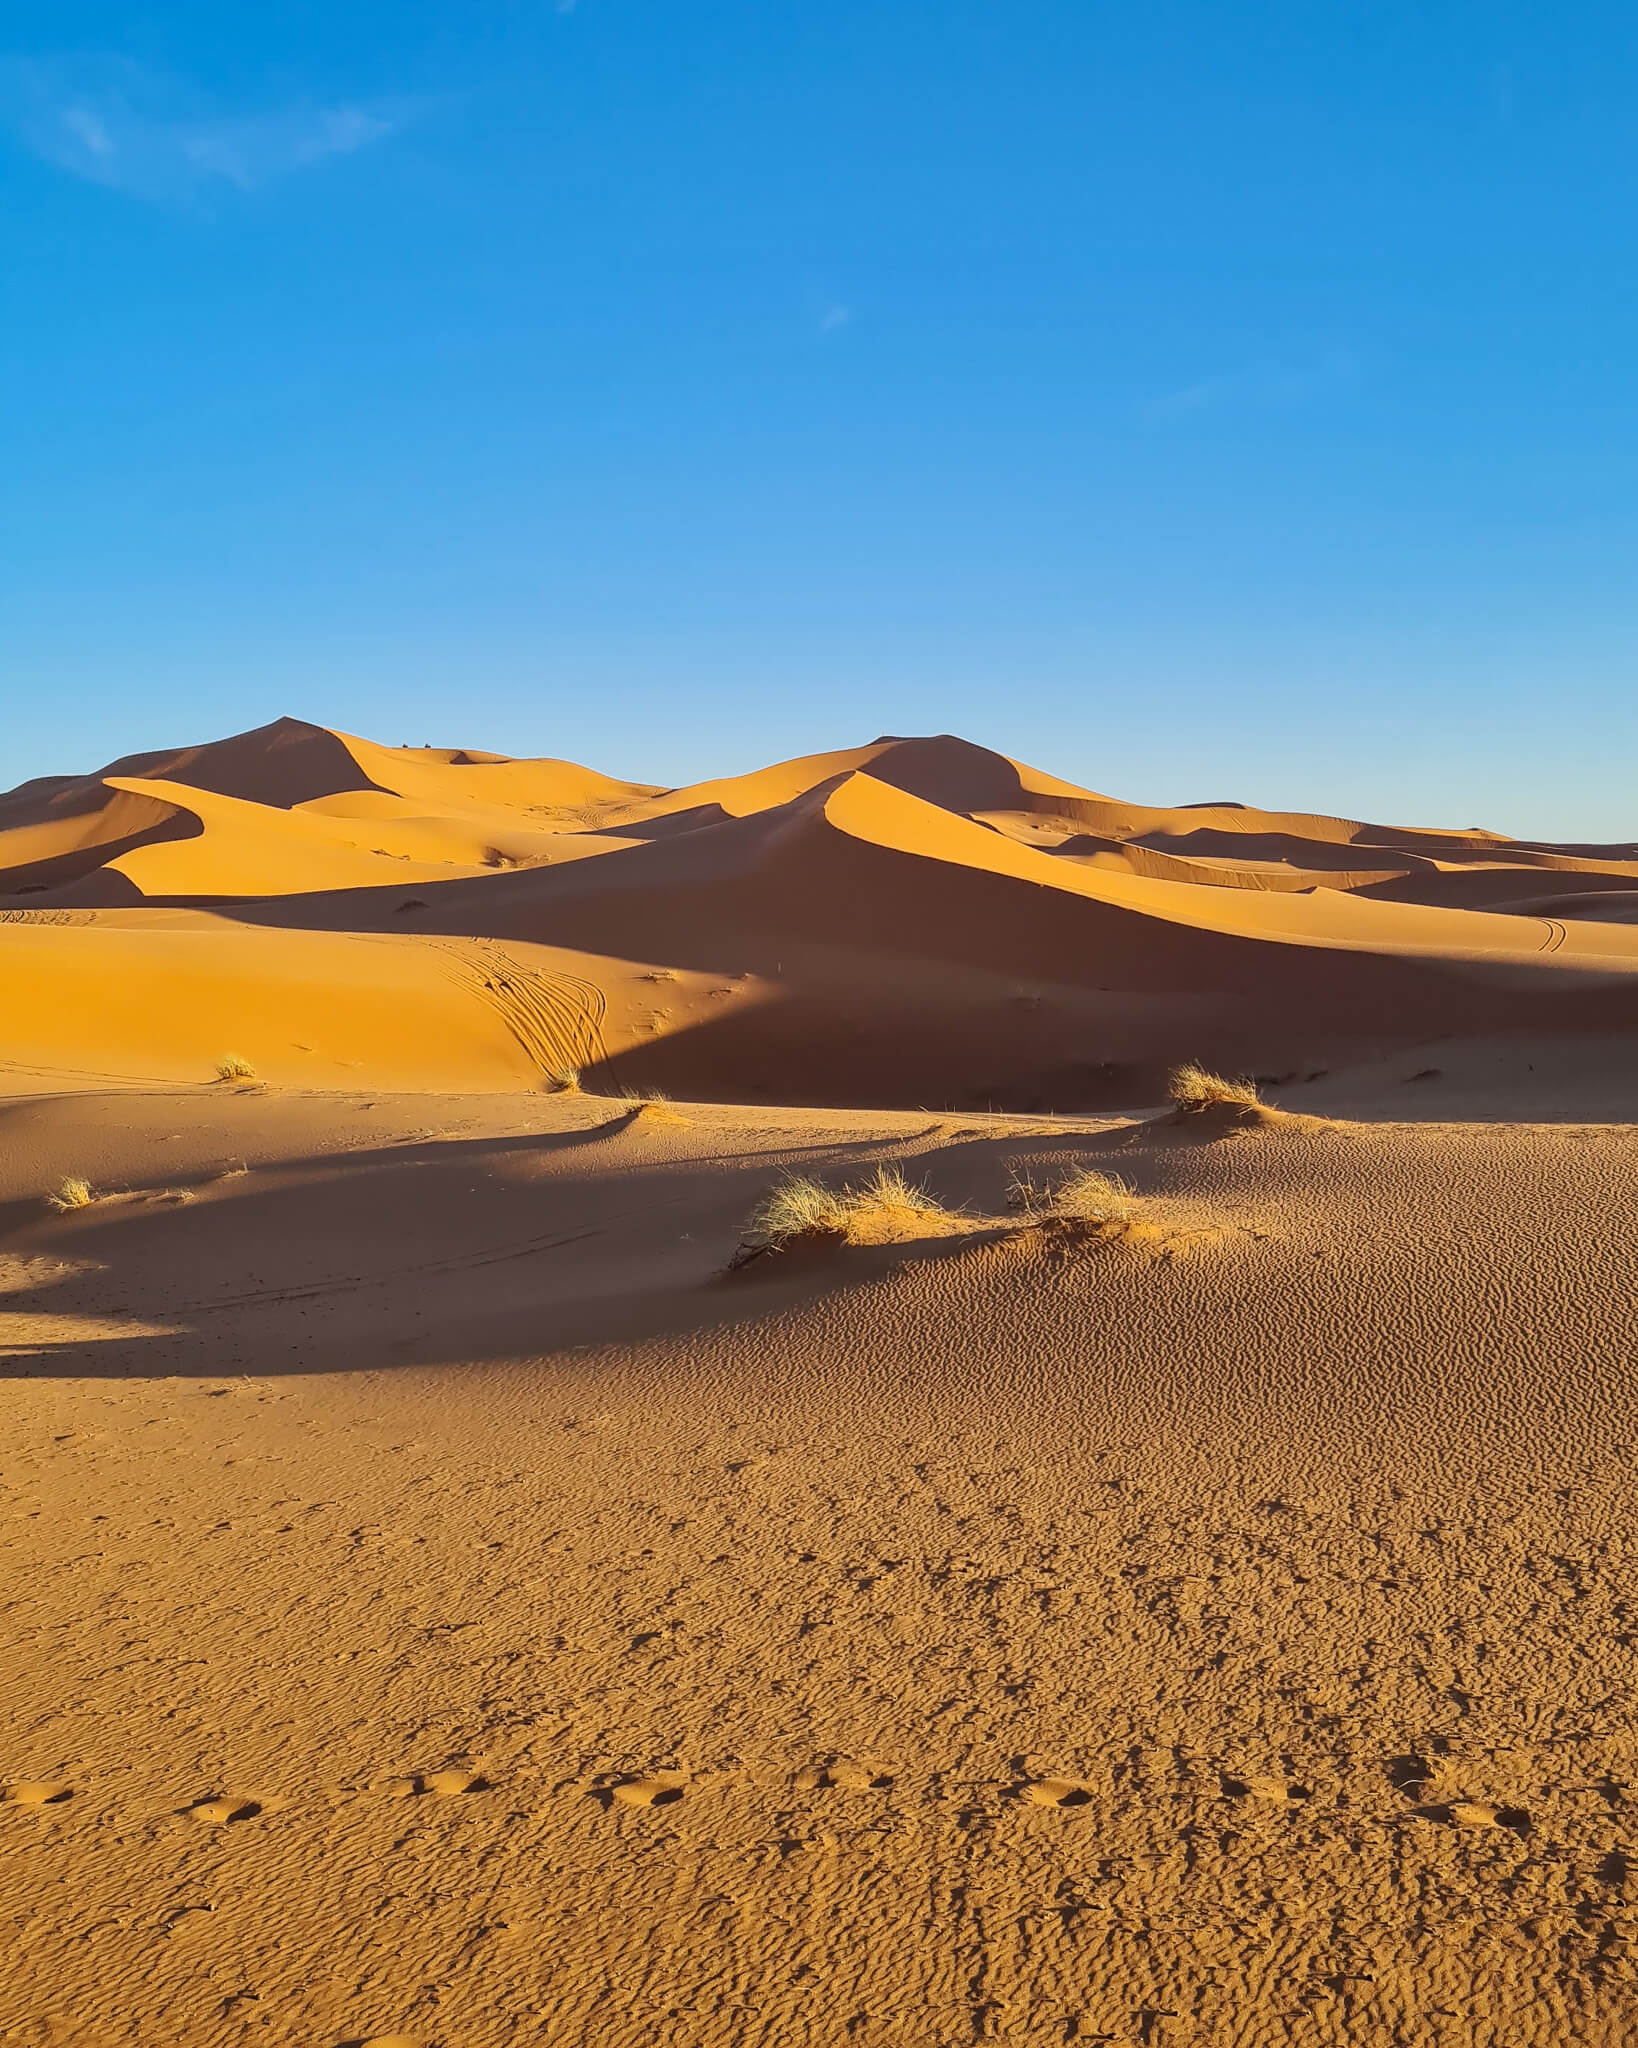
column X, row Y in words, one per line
column 453, row 1593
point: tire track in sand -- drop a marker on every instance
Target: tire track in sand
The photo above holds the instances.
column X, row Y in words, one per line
column 557, row 1018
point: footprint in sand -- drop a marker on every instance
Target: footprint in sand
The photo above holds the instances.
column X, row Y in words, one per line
column 1472, row 1813
column 659, row 1788
column 1477, row 1813
column 439, row 1784
column 1274, row 1791
column 1055, row 1792
column 845, row 1774
column 451, row 1784
column 36, row 1792
column 219, row 1812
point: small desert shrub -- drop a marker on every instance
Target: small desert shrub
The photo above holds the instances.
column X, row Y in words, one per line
column 796, row 1207
column 1083, row 1194
column 563, row 1080
column 1093, row 1197
column 232, row 1068
column 888, row 1193
column 800, row 1206
column 1192, row 1088
column 73, row 1194
column 652, row 1106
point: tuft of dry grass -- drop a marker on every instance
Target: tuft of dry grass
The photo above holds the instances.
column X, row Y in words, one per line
column 801, row 1207
column 73, row 1194
column 232, row 1068
column 888, row 1194
column 1094, row 1197
column 796, row 1207
column 1084, row 1195
column 659, row 1112
column 1193, row 1089
column 652, row 1106
column 563, row 1080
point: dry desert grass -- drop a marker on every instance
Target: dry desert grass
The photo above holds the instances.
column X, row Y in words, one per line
column 74, row 1193
column 232, row 1067
column 1082, row 1195
column 1193, row 1088
column 651, row 1106
column 884, row 1208
column 797, row 1207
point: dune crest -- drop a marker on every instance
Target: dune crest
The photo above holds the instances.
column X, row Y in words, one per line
column 911, row 919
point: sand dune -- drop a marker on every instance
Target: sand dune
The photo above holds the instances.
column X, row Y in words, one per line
column 1027, row 942
column 472, row 1580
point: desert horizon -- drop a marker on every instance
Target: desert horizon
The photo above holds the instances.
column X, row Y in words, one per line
column 884, row 1400
column 909, row 923
column 971, row 1373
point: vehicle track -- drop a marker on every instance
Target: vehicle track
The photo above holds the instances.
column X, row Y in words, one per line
column 556, row 1018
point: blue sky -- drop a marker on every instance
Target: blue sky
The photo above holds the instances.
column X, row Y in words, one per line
column 1198, row 398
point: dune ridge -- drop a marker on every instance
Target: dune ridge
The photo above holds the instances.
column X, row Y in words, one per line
column 1038, row 944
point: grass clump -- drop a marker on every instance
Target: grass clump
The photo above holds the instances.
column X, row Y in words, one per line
column 1082, row 1196
column 800, row 1207
column 887, row 1195
column 73, row 1194
column 1193, row 1089
column 797, row 1206
column 652, row 1107
column 232, row 1068
column 1094, row 1197
column 563, row 1080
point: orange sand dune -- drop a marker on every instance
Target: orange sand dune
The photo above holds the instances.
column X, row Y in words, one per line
column 290, row 764
column 927, row 1537
column 906, row 920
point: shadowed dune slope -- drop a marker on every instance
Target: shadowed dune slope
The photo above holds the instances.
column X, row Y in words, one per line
column 912, row 919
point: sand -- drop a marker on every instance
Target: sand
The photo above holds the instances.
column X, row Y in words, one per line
column 446, row 1601
column 916, row 922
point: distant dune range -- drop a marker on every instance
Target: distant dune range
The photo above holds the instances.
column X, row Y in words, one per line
column 916, row 921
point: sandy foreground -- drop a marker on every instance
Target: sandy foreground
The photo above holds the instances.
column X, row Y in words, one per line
column 443, row 1601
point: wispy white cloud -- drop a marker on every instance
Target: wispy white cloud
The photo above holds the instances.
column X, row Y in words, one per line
column 1265, row 384
column 834, row 316
column 137, row 130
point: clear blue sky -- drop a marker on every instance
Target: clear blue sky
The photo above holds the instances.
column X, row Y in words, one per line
column 1199, row 397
